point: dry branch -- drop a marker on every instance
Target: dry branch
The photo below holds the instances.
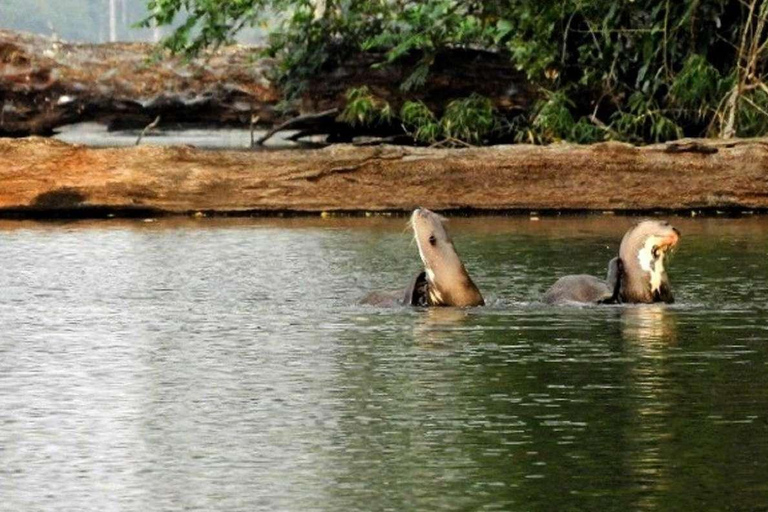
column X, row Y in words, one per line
column 306, row 121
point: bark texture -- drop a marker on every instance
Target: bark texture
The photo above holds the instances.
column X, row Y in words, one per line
column 45, row 176
column 46, row 83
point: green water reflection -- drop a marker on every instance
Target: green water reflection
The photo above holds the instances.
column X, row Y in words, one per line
column 258, row 382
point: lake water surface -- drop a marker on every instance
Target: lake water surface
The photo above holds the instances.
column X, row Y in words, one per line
column 226, row 365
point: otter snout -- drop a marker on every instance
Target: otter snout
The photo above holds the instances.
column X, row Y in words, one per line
column 421, row 213
column 674, row 237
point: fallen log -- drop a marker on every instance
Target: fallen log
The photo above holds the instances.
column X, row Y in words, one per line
column 46, row 83
column 43, row 177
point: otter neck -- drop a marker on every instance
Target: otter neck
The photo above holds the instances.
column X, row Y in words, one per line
column 456, row 290
column 644, row 278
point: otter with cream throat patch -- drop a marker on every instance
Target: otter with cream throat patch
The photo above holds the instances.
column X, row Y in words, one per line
column 643, row 252
column 638, row 275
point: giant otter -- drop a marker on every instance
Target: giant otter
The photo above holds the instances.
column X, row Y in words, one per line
column 636, row 276
column 643, row 249
column 586, row 288
column 444, row 280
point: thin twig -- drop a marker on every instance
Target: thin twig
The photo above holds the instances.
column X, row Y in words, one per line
column 718, row 114
column 759, row 109
column 732, row 105
column 755, row 48
column 597, row 122
column 594, row 38
column 451, row 140
column 597, row 105
column 617, row 30
column 254, row 120
column 565, row 37
column 666, row 25
column 147, row 128
column 379, row 141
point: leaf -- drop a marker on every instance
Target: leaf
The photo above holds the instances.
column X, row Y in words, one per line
column 503, row 28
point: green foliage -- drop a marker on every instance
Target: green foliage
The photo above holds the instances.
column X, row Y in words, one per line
column 586, row 132
column 469, row 120
column 645, row 70
column 698, row 85
column 753, row 116
column 554, row 120
column 465, row 121
column 644, row 120
column 364, row 109
column 417, row 117
column 417, row 78
column 208, row 22
column 424, row 28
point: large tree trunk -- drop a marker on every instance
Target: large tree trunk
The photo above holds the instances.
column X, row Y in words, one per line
column 48, row 178
column 45, row 84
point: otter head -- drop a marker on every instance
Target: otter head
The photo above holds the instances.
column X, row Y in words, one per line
column 642, row 252
column 448, row 281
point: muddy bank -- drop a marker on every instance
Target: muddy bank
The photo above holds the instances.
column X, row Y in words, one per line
column 43, row 177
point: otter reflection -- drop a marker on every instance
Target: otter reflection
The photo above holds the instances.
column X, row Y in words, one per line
column 438, row 327
column 649, row 324
column 649, row 331
column 638, row 275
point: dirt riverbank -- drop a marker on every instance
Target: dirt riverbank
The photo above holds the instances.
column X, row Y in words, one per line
column 44, row 177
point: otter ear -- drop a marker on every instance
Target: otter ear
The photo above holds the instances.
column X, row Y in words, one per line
column 416, row 294
column 615, row 274
column 616, row 297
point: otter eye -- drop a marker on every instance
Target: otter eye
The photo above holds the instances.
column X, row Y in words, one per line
column 432, row 240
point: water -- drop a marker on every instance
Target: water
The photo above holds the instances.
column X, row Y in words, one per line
column 225, row 365
column 98, row 135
